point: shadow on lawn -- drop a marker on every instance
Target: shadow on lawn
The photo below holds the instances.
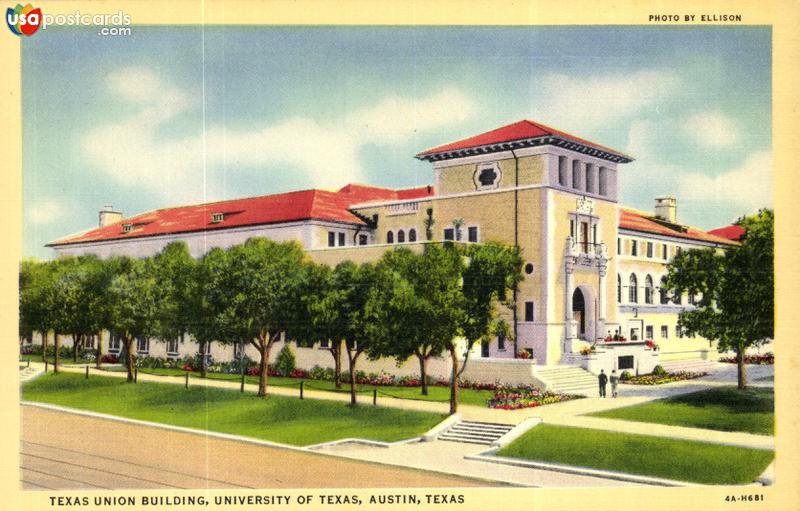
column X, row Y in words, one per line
column 731, row 398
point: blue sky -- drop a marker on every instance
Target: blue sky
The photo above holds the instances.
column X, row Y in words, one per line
column 174, row 115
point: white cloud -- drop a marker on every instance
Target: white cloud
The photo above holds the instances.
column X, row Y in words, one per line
column 748, row 187
column 712, row 129
column 44, row 211
column 134, row 152
column 582, row 104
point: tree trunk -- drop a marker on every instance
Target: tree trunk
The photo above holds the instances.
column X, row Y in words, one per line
column 99, row 351
column 44, row 346
column 263, row 348
column 203, row 359
column 454, row 382
column 741, row 367
column 75, row 342
column 129, row 357
column 352, row 364
column 336, row 353
column 56, row 345
column 423, row 373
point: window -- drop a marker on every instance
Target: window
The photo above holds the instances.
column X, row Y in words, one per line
column 528, row 268
column 634, row 248
column 238, row 350
column 648, row 332
column 114, row 343
column 576, row 174
column 484, row 349
column 390, row 237
column 648, row 291
column 401, row 236
column 625, row 362
column 127, row 227
column 323, row 344
column 633, row 296
column 692, row 298
column 331, row 239
column 572, row 229
column 584, row 237
column 472, row 234
column 529, row 311
column 412, row 235
column 634, row 334
column 172, row 346
column 363, row 239
column 217, row 218
column 487, row 176
column 664, row 251
column 677, row 298
column 649, row 249
column 678, row 332
column 663, row 294
column 589, row 178
column 619, row 289
column 449, row 234
column 678, row 250
column 562, row 170
column 594, row 234
column 501, row 341
column 664, row 331
column 619, row 246
column 142, row 345
column 603, row 181
column 88, row 344
column 341, row 239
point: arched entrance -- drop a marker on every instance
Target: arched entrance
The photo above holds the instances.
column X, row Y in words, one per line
column 579, row 312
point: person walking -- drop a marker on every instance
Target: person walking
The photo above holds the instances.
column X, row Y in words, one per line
column 602, row 380
column 614, row 379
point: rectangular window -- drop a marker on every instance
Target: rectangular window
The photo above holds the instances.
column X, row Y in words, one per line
column 331, row 239
column 648, row 332
column 88, row 343
column 584, row 237
column 449, row 234
column 172, row 347
column 576, row 174
column 363, row 239
column 572, row 229
column 594, row 234
column 528, row 311
column 472, row 234
column 484, row 349
column 649, row 249
column 664, row 251
column 323, row 344
column 114, row 343
column 625, row 362
column 562, row 170
column 678, row 332
column 619, row 246
column 142, row 345
column 634, row 248
column 501, row 341
column 634, row 334
column 589, row 178
column 603, row 181
column 341, row 239
column 664, row 331
column 238, row 349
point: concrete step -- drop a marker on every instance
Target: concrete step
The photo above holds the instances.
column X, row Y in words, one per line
column 475, row 432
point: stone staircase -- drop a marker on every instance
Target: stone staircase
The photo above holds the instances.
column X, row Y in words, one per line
column 568, row 380
column 694, row 365
column 475, row 432
column 28, row 373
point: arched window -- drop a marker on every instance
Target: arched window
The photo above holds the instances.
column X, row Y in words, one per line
column 648, row 289
column 390, row 237
column 401, row 236
column 619, row 289
column 412, row 235
column 633, row 295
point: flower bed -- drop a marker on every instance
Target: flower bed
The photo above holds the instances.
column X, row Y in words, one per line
column 506, row 398
column 765, row 359
column 659, row 379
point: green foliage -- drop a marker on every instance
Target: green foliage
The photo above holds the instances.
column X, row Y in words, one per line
column 659, row 371
column 285, row 363
column 738, row 305
column 625, row 376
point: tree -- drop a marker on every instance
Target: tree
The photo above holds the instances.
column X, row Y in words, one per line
column 133, row 303
column 177, row 276
column 253, row 293
column 737, row 309
column 322, row 299
column 35, row 282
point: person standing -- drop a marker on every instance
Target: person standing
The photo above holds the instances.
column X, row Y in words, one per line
column 614, row 379
column 602, row 380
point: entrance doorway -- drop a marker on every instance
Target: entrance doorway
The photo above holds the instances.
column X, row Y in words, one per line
column 579, row 312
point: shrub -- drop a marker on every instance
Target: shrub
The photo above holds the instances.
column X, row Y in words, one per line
column 765, row 359
column 30, row 349
column 151, row 362
column 109, row 359
column 285, row 363
column 625, row 376
column 659, row 371
column 89, row 355
column 514, row 398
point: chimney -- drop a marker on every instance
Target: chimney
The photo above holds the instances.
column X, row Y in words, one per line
column 109, row 217
column 666, row 209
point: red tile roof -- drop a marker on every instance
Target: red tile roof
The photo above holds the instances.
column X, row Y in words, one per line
column 643, row 222
column 520, row 130
column 731, row 232
column 267, row 209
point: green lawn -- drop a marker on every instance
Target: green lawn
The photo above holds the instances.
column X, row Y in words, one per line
column 51, row 359
column 442, row 394
column 721, row 409
column 640, row 454
column 277, row 418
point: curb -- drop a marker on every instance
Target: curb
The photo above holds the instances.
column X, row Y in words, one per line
column 489, row 456
column 518, row 430
column 364, row 441
column 434, row 432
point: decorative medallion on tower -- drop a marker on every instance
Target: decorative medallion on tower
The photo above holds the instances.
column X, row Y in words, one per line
column 487, row 176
